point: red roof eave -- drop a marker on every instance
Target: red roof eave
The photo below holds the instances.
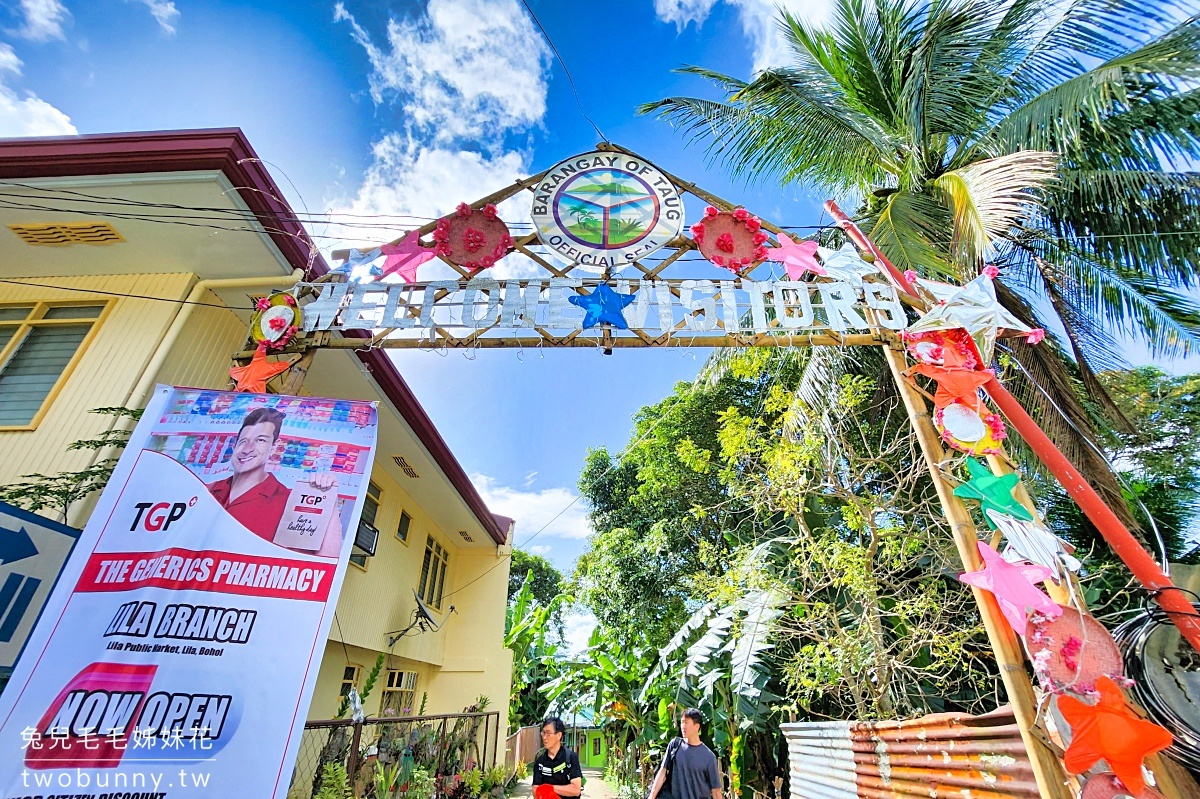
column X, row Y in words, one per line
column 228, row 150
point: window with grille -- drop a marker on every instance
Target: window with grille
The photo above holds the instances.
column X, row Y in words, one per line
column 39, row 344
column 596, row 746
column 349, row 679
column 400, row 693
column 433, row 573
column 369, row 512
column 402, row 528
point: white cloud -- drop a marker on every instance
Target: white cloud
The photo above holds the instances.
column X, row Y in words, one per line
column 577, row 629
column 43, row 20
column 164, row 12
column 558, row 510
column 682, row 12
column 759, row 20
column 28, row 115
column 540, row 549
column 464, row 78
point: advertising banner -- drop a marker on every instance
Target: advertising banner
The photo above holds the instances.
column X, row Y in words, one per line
column 178, row 653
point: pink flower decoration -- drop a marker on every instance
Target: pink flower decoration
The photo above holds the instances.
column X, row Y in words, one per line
column 719, row 260
column 463, row 210
column 991, row 271
column 290, row 300
column 489, row 211
column 278, row 323
column 759, row 237
column 473, row 239
column 725, row 242
column 487, row 261
column 710, row 211
column 760, row 254
column 741, row 214
column 910, row 275
column 263, row 304
column 698, row 232
column 753, row 225
column 1035, row 336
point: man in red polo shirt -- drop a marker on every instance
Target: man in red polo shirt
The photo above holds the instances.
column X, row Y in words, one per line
column 252, row 495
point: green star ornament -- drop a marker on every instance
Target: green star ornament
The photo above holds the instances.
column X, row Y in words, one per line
column 993, row 492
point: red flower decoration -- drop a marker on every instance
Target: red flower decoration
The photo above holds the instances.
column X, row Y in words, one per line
column 263, row 304
column 741, row 214
column 710, row 212
column 278, row 323
column 698, row 232
column 463, row 210
column 725, row 242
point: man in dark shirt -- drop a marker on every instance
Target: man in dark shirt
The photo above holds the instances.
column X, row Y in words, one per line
column 556, row 766
column 689, row 765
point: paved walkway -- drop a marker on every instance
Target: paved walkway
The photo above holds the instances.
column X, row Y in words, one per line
column 596, row 787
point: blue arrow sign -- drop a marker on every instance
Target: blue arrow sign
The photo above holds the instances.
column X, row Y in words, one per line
column 16, row 546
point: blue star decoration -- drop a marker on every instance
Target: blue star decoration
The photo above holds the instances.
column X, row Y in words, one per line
column 603, row 305
column 357, row 259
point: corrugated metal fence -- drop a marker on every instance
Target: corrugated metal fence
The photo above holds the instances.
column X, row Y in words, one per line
column 933, row 757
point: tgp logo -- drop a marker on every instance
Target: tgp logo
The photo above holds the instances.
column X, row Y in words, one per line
column 156, row 516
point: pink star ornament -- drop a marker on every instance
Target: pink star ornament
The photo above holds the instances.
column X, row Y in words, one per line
column 1013, row 585
column 796, row 256
column 404, row 258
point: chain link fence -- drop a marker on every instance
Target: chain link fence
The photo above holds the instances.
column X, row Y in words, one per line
column 442, row 746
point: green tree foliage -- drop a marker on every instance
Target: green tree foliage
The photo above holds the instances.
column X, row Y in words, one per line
column 1159, row 465
column 1054, row 138
column 833, row 596
column 663, row 514
column 547, row 581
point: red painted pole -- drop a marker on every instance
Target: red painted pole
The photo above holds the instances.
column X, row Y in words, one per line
column 1174, row 602
column 1127, row 548
column 863, row 243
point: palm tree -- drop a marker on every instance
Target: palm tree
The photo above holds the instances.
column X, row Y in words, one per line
column 1052, row 138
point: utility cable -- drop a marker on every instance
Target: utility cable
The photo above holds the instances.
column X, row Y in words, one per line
column 563, row 64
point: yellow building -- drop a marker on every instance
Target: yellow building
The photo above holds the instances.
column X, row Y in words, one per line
column 131, row 259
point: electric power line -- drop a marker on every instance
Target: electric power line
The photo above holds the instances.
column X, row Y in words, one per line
column 563, row 64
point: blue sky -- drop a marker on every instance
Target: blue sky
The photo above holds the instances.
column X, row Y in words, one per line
column 410, row 108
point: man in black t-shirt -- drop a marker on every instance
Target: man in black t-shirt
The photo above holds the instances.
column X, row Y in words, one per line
column 556, row 766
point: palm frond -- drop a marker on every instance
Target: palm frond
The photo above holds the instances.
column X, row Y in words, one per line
column 914, row 230
column 1056, row 117
column 990, row 198
column 1145, row 223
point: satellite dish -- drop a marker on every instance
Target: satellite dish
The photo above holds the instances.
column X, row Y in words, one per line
column 424, row 615
column 422, row 619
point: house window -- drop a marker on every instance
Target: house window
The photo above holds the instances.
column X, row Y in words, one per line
column 596, row 746
column 402, row 528
column 369, row 512
column 349, row 679
column 39, row 345
column 433, row 573
column 400, row 693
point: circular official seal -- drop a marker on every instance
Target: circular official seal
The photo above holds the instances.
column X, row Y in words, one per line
column 603, row 210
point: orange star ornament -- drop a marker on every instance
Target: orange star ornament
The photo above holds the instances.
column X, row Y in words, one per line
column 1108, row 730
column 253, row 376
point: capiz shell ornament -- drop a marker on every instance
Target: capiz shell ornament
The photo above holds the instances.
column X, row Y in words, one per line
column 966, row 430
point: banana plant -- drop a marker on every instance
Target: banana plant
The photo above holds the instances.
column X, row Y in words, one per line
column 526, row 626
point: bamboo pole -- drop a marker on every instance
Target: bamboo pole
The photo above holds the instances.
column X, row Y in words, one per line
column 1047, row 768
